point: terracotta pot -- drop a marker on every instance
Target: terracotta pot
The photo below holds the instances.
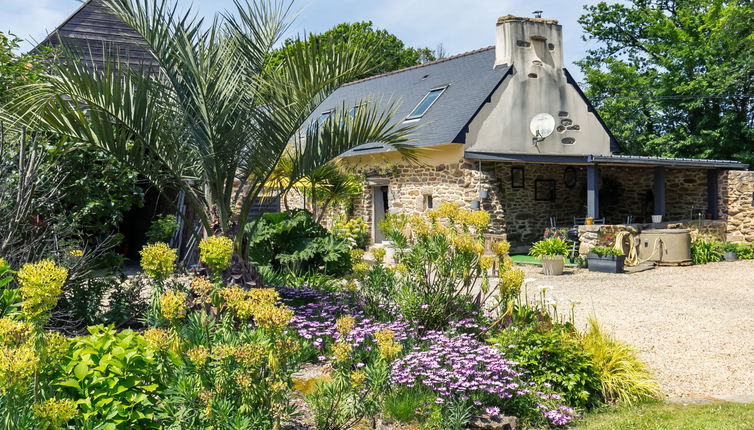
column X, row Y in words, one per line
column 552, row 265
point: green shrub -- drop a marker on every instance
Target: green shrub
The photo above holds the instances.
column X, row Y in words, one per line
column 113, row 378
column 552, row 354
column 623, row 377
column 705, row 250
column 354, row 230
column 293, row 241
column 745, row 251
column 406, row 404
column 162, row 228
column 549, row 247
column 605, row 250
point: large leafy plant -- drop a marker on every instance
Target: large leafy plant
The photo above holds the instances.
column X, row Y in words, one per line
column 293, row 241
column 113, row 378
column 550, row 247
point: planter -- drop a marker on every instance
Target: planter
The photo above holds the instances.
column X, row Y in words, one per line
column 656, row 219
column 730, row 256
column 606, row 263
column 484, row 194
column 552, row 265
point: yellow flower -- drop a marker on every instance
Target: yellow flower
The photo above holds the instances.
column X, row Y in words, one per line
column 378, row 254
column 221, row 351
column 41, row 286
column 466, row 243
column 158, row 260
column 344, row 325
column 157, row 339
column 486, row 262
column 341, row 350
column 243, row 379
column 13, row 332
column 360, row 269
column 477, row 219
column 3, row 265
column 399, row 268
column 202, row 287
column 233, row 296
column 357, row 378
column 386, row 344
column 56, row 348
column 357, row 256
column 264, row 296
column 510, row 284
column 419, row 225
column 76, row 253
column 448, row 210
column 173, row 305
column 248, row 354
column 198, row 355
column 501, row 248
column 505, row 263
column 17, row 367
column 216, row 252
column 55, row 412
column 272, row 317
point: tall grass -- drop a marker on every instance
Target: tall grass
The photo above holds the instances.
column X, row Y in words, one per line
column 623, row 376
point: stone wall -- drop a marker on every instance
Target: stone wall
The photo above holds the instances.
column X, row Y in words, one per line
column 526, row 218
column 736, row 204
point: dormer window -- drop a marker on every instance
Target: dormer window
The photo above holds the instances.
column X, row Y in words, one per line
column 320, row 120
column 426, row 103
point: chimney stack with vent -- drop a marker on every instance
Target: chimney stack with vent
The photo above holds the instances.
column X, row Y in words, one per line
column 529, row 44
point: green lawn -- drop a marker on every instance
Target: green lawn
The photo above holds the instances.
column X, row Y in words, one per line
column 524, row 258
column 662, row 416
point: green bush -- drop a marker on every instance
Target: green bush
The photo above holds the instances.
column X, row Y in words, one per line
column 549, row 247
column 354, row 230
column 605, row 250
column 162, row 228
column 705, row 250
column 293, row 241
column 113, row 378
column 553, row 355
column 745, row 251
column 623, row 377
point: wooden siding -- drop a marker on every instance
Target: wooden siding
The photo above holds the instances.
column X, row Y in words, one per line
column 92, row 32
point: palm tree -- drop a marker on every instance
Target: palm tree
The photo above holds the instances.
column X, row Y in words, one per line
column 212, row 118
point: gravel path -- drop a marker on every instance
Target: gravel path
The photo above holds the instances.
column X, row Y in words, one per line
column 693, row 325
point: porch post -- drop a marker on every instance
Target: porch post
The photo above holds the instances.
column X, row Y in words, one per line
column 659, row 190
column 712, row 192
column 592, row 191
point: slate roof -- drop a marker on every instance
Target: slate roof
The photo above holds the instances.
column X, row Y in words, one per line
column 91, row 31
column 471, row 80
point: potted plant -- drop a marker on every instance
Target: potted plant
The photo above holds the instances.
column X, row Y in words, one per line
column 730, row 251
column 605, row 259
column 551, row 252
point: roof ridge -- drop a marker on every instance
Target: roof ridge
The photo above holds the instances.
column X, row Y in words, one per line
column 429, row 63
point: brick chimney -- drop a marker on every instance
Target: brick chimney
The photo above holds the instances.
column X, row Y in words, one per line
column 529, row 43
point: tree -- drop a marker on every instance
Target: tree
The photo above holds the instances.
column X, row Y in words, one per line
column 211, row 119
column 674, row 77
column 387, row 52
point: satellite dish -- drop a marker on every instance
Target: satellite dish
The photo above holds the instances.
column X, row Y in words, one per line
column 542, row 125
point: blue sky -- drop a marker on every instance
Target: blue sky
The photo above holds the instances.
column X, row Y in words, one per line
column 459, row 25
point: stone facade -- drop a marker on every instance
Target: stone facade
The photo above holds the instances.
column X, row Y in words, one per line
column 736, row 204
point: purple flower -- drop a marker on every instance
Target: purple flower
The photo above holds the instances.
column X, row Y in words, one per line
column 492, row 411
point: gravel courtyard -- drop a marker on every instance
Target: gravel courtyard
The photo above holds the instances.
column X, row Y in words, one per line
column 693, row 325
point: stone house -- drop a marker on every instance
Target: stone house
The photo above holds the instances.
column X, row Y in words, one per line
column 506, row 129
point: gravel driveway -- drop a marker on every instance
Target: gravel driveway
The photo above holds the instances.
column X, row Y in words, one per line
column 693, row 325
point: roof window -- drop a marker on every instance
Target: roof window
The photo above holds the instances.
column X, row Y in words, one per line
column 426, row 103
column 321, row 119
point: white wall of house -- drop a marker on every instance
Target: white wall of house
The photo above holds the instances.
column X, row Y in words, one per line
column 538, row 84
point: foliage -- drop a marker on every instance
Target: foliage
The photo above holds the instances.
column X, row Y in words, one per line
column 406, row 404
column 388, row 52
column 41, row 285
column 15, row 69
column 439, row 265
column 560, row 233
column 162, row 228
column 705, row 250
column 605, row 250
column 158, row 260
column 623, row 377
column 294, row 242
column 673, row 78
column 210, row 115
column 216, row 252
column 553, row 355
column 355, row 230
column 729, row 247
column 745, row 251
column 112, row 377
column 549, row 247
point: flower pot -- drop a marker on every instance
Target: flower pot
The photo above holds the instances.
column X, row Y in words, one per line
column 656, row 219
column 483, row 193
column 730, row 256
column 606, row 263
column 552, row 265
column 475, row 204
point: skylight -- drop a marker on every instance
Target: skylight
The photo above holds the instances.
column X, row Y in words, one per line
column 426, row 103
column 321, row 119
